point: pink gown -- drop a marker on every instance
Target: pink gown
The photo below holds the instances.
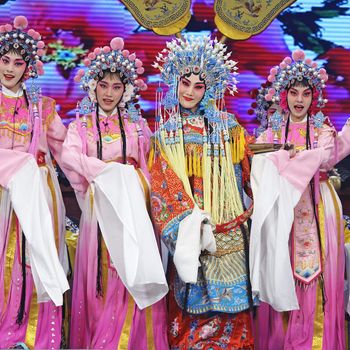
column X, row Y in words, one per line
column 111, row 320
column 41, row 325
column 309, row 327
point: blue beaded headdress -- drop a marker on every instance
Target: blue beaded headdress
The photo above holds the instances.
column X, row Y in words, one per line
column 198, row 55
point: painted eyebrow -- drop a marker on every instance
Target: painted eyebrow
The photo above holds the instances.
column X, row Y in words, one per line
column 294, row 89
column 16, row 60
column 189, row 81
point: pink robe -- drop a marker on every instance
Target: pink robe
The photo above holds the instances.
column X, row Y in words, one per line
column 285, row 271
column 41, row 325
column 112, row 320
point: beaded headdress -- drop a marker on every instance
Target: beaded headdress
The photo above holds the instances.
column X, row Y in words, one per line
column 260, row 107
column 288, row 72
column 209, row 60
column 31, row 47
column 293, row 69
column 198, row 55
column 112, row 58
column 28, row 43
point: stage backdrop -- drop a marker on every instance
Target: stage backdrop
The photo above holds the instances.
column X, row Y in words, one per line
column 71, row 27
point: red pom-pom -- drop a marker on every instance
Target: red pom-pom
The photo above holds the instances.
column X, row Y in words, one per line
column 287, row 60
column 125, row 53
column 254, row 105
column 31, row 32
column 138, row 63
column 132, row 57
column 283, row 65
column 298, row 55
column 250, row 111
column 77, row 78
column 117, row 43
column 87, row 62
column 40, row 52
column 8, row 27
column 91, row 56
column 2, row 29
column 40, row 44
column 20, row 22
column 97, row 51
column 106, row 49
column 140, row 70
column 39, row 64
column 36, row 36
column 271, row 78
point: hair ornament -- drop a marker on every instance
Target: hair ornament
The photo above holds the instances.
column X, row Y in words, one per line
column 112, row 58
column 293, row 69
column 28, row 43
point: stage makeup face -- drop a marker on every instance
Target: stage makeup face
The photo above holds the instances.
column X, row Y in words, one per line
column 191, row 91
column 109, row 92
column 12, row 68
column 299, row 100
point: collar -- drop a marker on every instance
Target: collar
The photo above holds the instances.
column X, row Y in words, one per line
column 103, row 113
column 5, row 91
column 301, row 121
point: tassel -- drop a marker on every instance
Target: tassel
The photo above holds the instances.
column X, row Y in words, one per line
column 190, row 167
column 36, row 116
column 94, row 126
column 142, row 157
column 99, row 263
column 242, row 145
column 199, row 168
column 151, row 158
column 21, row 309
column 206, row 165
column 222, row 197
column 195, row 170
column 215, row 189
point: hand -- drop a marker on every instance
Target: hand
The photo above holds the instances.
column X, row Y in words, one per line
column 291, row 149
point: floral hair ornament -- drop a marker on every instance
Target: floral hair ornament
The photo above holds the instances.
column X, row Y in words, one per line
column 292, row 69
column 112, row 58
column 28, row 43
column 260, row 107
column 31, row 47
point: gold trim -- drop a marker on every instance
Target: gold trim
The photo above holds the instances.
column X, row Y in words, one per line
column 337, row 212
column 54, row 209
column 175, row 27
column 32, row 322
column 229, row 31
column 125, row 333
column 317, row 339
column 10, row 256
column 149, row 329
